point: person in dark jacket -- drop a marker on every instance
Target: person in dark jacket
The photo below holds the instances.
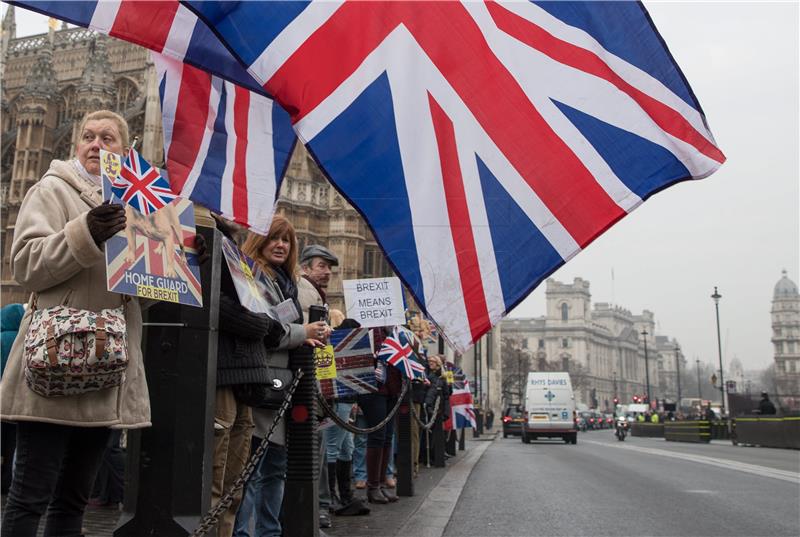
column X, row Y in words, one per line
column 241, row 359
column 10, row 319
column 765, row 406
column 438, row 384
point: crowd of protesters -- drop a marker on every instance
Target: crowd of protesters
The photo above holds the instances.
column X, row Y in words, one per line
column 69, row 448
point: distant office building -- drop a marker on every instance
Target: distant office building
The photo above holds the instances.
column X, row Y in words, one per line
column 603, row 347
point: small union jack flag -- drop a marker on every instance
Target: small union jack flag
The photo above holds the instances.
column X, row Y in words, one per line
column 355, row 364
column 397, row 351
column 140, row 185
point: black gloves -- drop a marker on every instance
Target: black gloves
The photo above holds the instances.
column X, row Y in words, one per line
column 105, row 220
column 202, row 251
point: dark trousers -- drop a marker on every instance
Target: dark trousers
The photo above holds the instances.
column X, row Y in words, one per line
column 375, row 407
column 54, row 472
column 109, row 486
column 7, row 446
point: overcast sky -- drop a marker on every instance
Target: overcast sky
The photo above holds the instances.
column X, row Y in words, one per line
column 736, row 229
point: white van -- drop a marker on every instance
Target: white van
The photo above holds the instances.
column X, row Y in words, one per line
column 549, row 408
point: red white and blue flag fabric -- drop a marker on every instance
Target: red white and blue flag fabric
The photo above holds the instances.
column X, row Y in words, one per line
column 461, row 407
column 484, row 143
column 141, row 185
column 355, row 364
column 233, row 145
column 225, row 147
column 396, row 350
column 462, row 411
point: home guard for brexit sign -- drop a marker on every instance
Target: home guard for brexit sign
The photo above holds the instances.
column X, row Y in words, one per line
column 154, row 256
column 374, row 301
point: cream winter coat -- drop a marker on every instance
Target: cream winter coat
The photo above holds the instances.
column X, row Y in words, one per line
column 54, row 255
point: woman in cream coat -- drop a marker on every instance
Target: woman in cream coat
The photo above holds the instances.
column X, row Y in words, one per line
column 57, row 254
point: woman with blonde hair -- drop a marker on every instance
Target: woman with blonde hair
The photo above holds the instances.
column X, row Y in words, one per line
column 57, row 254
column 276, row 254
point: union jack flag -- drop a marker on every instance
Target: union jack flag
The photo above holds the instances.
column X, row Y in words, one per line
column 462, row 411
column 355, row 364
column 396, row 350
column 141, row 185
column 226, row 148
column 508, row 135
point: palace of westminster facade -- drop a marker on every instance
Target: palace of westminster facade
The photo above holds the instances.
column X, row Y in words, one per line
column 50, row 81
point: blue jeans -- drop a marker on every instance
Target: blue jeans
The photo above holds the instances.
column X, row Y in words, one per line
column 263, row 495
column 339, row 443
column 360, row 451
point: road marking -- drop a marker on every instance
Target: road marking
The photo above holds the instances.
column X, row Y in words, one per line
column 764, row 471
column 701, row 492
column 431, row 517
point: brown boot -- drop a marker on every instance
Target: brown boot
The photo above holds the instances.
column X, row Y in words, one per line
column 385, row 489
column 374, row 456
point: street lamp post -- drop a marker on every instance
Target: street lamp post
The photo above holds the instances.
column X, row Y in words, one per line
column 646, row 368
column 699, row 389
column 678, row 369
column 716, row 296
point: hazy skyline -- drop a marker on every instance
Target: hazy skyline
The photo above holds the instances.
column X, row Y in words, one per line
column 737, row 229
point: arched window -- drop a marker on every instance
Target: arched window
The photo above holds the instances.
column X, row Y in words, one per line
column 66, row 110
column 127, row 93
column 564, row 312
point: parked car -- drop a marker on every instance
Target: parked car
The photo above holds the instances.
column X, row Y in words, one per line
column 513, row 418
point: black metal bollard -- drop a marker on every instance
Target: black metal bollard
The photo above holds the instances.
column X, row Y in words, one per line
column 403, row 462
column 450, row 447
column 301, row 496
column 170, row 464
column 437, row 444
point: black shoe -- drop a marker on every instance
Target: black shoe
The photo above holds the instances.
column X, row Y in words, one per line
column 375, row 496
column 389, row 494
column 325, row 520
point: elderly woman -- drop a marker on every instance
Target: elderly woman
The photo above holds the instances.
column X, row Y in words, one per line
column 57, row 254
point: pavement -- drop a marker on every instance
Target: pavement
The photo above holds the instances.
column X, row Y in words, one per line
column 643, row 486
column 426, row 514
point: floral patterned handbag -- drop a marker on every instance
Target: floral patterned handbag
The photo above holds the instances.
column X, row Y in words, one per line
column 70, row 351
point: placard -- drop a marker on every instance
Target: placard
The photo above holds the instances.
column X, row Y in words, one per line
column 375, row 301
column 248, row 279
column 154, row 256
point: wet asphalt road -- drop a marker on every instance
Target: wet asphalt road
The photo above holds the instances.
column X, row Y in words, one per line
column 643, row 486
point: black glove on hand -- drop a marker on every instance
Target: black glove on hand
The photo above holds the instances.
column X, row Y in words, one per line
column 200, row 246
column 105, row 220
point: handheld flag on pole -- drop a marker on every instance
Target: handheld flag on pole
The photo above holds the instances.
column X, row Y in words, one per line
column 140, row 185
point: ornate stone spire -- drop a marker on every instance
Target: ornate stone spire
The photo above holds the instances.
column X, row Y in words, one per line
column 97, row 74
column 9, row 24
column 42, row 78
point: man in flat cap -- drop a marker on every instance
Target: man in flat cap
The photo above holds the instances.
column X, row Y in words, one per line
column 316, row 262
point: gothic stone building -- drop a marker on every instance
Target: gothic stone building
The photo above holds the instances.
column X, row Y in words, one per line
column 602, row 348
column 50, row 81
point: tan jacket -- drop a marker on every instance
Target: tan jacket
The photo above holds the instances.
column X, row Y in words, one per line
column 54, row 255
column 307, row 295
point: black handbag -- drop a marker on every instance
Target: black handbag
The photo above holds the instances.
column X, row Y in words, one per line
column 268, row 396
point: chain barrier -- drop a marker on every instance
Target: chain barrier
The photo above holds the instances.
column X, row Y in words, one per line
column 211, row 518
column 434, row 414
column 358, row 430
